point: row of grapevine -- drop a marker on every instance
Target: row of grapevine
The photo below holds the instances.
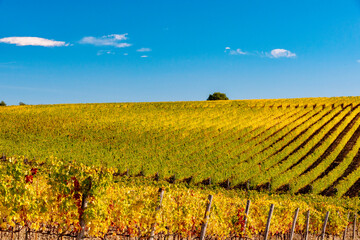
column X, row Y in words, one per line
column 50, row 195
column 296, row 164
column 256, row 141
column 316, row 170
column 259, row 162
column 311, row 137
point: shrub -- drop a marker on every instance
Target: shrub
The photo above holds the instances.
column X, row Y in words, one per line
column 217, row 96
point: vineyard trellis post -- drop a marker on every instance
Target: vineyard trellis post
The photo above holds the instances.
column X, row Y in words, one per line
column 354, row 228
column 345, row 230
column 294, row 223
column 26, row 232
column 161, row 196
column 268, row 221
column 324, row 226
column 84, row 205
column 247, row 209
column 206, row 218
column 307, row 224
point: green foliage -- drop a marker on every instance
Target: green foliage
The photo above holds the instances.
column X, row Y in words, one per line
column 21, row 104
column 35, row 194
column 2, row 104
column 250, row 140
column 217, row 96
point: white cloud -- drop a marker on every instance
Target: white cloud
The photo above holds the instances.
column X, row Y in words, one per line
column 108, row 40
column 275, row 53
column 226, row 49
column 122, row 45
column 33, row 41
column 125, row 54
column 278, row 53
column 358, row 61
column 144, row 56
column 118, row 36
column 144, row 50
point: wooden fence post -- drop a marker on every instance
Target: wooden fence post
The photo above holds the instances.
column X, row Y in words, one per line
column 324, row 226
column 307, row 224
column 268, row 221
column 161, row 196
column 84, row 204
column 247, row 209
column 354, row 228
column 26, row 232
column 344, row 235
column 206, row 218
column 294, row 223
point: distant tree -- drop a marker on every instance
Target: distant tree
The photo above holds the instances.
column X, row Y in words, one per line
column 217, row 96
column 21, row 104
column 2, row 104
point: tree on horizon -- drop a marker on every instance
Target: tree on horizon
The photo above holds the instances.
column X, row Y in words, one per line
column 217, row 96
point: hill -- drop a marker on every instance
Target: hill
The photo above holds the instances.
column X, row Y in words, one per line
column 295, row 145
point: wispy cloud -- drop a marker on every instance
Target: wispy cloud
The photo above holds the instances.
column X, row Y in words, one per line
column 280, row 53
column 102, row 52
column 358, row 60
column 114, row 40
column 144, row 50
column 275, row 53
column 33, row 41
column 235, row 51
column 144, row 56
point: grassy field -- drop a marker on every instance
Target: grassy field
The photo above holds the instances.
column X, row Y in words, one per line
column 296, row 145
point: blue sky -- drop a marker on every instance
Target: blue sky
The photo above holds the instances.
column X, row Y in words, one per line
column 129, row 51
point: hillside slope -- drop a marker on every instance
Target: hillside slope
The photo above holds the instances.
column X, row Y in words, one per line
column 298, row 145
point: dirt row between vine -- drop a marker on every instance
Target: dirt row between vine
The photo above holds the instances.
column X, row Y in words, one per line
column 312, row 150
column 279, row 139
column 302, row 144
column 247, row 141
column 330, row 191
column 285, row 187
column 238, row 138
column 329, row 150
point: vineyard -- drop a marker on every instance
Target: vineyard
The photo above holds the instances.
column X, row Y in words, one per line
column 66, row 199
column 294, row 145
column 293, row 153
